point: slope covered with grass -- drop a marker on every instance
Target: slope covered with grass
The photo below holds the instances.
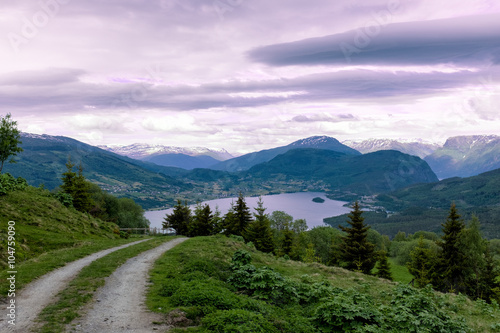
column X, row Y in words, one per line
column 43, row 224
column 208, row 284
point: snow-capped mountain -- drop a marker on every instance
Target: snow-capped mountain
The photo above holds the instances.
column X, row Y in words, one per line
column 416, row 147
column 143, row 150
column 246, row 161
column 465, row 156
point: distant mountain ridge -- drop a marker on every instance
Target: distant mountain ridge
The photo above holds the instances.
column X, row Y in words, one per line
column 367, row 174
column 143, row 150
column 247, row 161
column 415, row 147
column 464, row 156
column 44, row 157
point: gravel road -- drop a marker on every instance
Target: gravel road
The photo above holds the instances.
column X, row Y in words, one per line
column 119, row 306
column 41, row 292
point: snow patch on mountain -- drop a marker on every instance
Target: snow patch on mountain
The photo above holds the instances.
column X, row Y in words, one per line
column 416, row 147
column 143, row 150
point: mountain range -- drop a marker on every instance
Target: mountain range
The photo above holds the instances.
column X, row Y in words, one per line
column 464, row 156
column 44, row 157
column 247, row 161
column 460, row 156
column 180, row 157
column 415, row 147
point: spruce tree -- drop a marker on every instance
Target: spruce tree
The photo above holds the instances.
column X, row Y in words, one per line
column 384, row 268
column 77, row 187
column 357, row 252
column 179, row 220
column 202, row 221
column 421, row 263
column 449, row 273
column 259, row 231
column 239, row 219
column 82, row 198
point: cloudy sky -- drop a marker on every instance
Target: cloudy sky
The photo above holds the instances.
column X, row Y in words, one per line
column 250, row 74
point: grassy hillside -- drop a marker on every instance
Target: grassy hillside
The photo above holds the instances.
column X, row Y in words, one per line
column 198, row 285
column 42, row 224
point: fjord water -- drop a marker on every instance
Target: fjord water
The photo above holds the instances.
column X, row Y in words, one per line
column 299, row 205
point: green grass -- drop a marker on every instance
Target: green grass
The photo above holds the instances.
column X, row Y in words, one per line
column 81, row 290
column 43, row 224
column 190, row 286
column 399, row 273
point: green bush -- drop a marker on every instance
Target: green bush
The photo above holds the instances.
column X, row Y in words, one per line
column 8, row 183
column 64, row 198
column 411, row 310
column 196, row 293
column 262, row 283
column 237, row 320
column 346, row 311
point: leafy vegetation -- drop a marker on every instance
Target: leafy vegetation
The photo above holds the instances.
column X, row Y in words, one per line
column 220, row 284
column 9, row 140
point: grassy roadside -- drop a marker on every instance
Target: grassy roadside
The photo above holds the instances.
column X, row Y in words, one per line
column 81, row 290
column 194, row 286
column 33, row 268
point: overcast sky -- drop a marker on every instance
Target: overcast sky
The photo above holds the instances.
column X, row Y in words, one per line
column 247, row 75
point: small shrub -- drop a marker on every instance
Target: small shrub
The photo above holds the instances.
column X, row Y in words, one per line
column 199, row 294
column 237, row 321
column 8, row 183
column 347, row 311
column 64, row 198
column 262, row 283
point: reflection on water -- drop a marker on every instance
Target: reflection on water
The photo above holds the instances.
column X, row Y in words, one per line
column 299, row 205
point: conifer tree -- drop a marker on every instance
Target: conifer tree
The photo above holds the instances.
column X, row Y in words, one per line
column 449, row 272
column 78, row 187
column 259, row 231
column 202, row 221
column 238, row 218
column 357, row 252
column 82, row 198
column 179, row 220
column 384, row 268
column 421, row 263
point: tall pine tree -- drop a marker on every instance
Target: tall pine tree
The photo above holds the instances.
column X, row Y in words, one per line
column 77, row 187
column 449, row 272
column 421, row 263
column 202, row 221
column 238, row 218
column 357, row 252
column 179, row 220
column 259, row 231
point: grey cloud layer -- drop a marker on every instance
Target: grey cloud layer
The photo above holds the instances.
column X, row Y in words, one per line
column 462, row 41
column 343, row 85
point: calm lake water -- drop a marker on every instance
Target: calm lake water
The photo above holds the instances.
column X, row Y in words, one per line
column 299, row 205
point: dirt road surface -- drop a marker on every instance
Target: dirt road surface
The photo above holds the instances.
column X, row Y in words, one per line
column 119, row 306
column 41, row 292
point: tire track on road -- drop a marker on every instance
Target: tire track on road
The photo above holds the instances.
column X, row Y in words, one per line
column 120, row 305
column 41, row 292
